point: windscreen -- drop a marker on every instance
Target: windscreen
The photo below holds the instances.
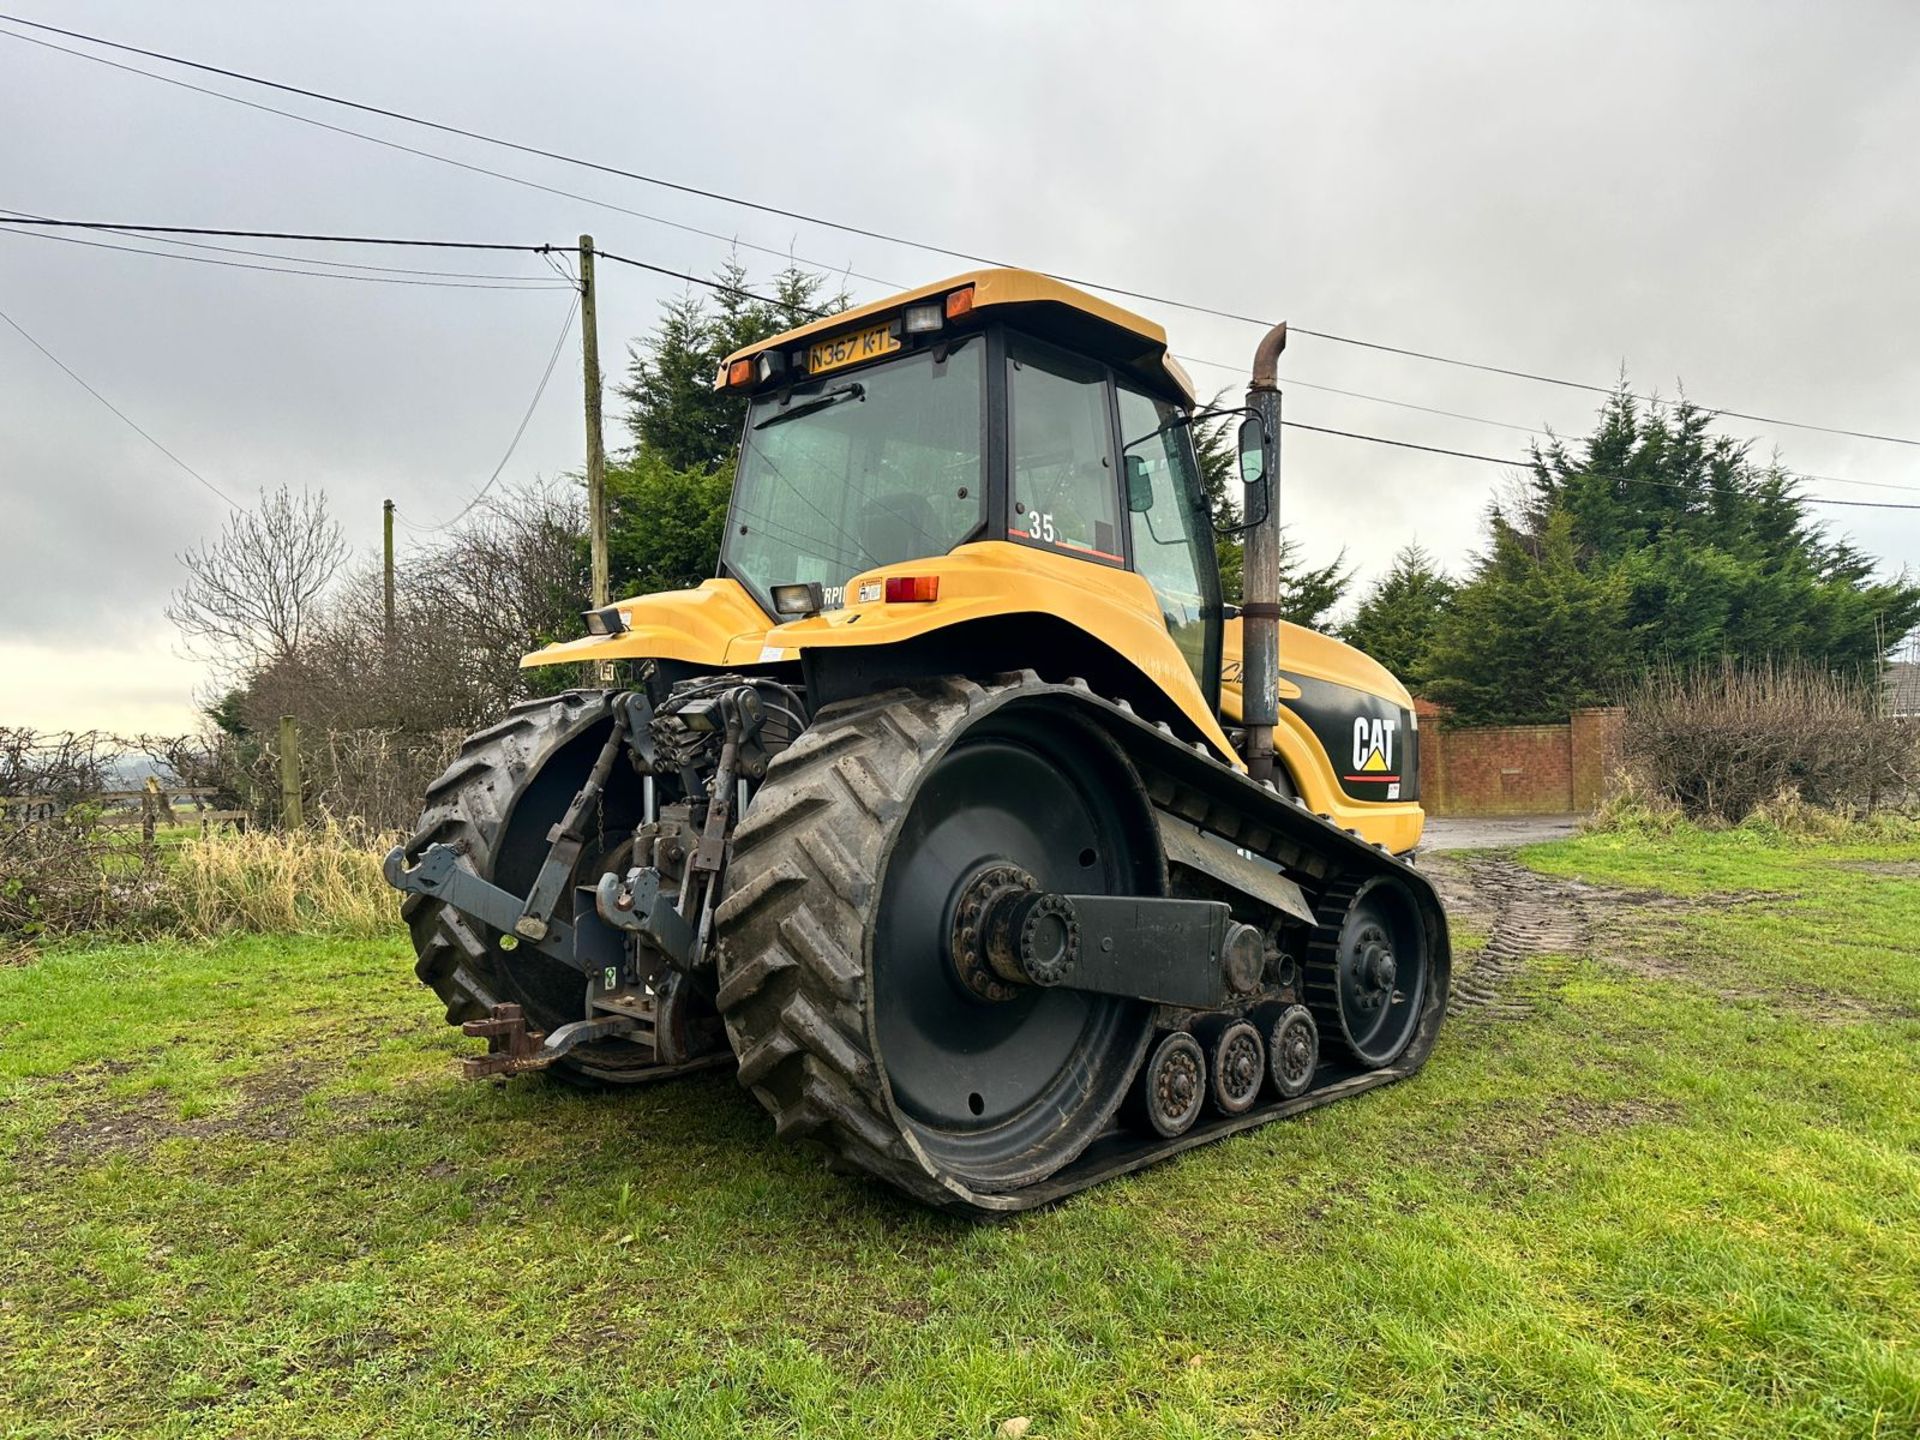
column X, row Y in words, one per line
column 858, row 469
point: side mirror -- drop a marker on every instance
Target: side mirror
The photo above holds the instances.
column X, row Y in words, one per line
column 1139, row 485
column 1253, row 451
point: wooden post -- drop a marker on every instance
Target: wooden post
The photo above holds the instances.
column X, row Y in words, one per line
column 289, row 774
column 149, row 819
column 596, row 450
column 387, row 518
column 596, row 453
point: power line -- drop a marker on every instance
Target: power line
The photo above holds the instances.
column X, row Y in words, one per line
column 1347, row 434
column 123, row 416
column 866, row 232
column 1614, row 479
column 483, row 138
column 383, row 142
column 549, row 251
column 279, row 234
column 1292, row 382
column 279, row 269
column 21, row 217
column 817, row 312
column 720, row 285
column 541, row 389
column 141, row 231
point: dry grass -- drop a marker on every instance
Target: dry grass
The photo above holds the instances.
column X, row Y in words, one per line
column 1635, row 808
column 274, row 882
column 69, row 877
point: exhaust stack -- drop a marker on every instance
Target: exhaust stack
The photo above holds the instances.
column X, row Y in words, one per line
column 1260, row 607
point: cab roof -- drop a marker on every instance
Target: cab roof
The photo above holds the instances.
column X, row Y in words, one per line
column 1093, row 325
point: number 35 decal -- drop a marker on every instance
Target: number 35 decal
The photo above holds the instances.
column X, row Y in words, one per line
column 1040, row 527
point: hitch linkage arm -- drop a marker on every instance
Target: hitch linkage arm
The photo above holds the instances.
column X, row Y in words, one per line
column 568, row 838
column 440, row 875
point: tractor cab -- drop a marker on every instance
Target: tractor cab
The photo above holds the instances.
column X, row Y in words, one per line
column 991, row 408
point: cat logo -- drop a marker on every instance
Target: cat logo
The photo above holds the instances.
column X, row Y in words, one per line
column 1373, row 749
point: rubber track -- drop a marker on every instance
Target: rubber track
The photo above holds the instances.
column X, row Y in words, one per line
column 803, row 884
column 1320, row 974
column 802, row 887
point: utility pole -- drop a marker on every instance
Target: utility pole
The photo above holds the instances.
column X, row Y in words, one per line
column 387, row 593
column 596, row 454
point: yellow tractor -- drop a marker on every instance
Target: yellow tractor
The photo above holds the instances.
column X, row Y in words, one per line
column 957, row 811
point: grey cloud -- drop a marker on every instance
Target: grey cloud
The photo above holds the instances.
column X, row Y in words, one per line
column 1718, row 193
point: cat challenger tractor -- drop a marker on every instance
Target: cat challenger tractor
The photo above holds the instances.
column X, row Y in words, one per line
column 957, row 811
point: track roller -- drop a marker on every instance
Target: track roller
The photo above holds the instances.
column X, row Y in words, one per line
column 1293, row 1050
column 1172, row 1087
column 1236, row 1064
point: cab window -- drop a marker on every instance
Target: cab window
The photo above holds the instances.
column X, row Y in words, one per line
column 1065, row 496
column 1166, row 507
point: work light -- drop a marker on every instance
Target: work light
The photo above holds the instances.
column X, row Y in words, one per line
column 798, row 601
column 921, row 319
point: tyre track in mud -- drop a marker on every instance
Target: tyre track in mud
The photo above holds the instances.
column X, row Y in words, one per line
column 1539, row 926
column 1528, row 917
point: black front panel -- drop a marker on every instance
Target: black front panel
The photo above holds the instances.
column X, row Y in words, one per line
column 1370, row 741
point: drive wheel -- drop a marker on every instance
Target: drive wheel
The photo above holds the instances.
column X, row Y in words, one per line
column 855, row 1017
column 1370, row 982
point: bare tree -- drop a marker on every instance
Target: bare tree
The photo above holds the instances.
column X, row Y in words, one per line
column 508, row 579
column 253, row 594
column 61, row 766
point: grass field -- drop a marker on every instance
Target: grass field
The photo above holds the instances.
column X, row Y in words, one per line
column 1671, row 1187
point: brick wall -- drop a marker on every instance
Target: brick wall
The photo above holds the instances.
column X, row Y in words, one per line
column 1595, row 742
column 1517, row 769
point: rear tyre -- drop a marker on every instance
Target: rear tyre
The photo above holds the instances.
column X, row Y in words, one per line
column 494, row 804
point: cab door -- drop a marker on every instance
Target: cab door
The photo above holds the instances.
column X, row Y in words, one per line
column 1171, row 527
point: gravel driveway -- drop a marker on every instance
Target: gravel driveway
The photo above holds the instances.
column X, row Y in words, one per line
column 1495, row 833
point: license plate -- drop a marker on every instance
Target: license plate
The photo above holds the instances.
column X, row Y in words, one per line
column 851, row 349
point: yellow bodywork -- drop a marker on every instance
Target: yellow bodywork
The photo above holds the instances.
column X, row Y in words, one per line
column 719, row 625
column 990, row 288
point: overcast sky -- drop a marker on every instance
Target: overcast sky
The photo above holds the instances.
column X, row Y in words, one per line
column 1720, row 195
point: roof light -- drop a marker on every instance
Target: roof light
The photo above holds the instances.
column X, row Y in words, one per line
column 921, row 319
column 605, row 621
column 771, row 363
column 739, row 373
column 960, row 302
column 912, row 589
column 799, row 601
